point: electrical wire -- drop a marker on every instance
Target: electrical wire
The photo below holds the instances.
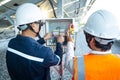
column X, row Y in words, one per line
column 78, row 8
column 90, row 3
column 52, row 8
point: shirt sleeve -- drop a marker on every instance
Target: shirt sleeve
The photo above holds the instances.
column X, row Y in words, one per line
column 69, row 57
column 53, row 58
column 59, row 51
column 41, row 41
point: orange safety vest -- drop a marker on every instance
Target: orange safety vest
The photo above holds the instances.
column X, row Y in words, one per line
column 97, row 67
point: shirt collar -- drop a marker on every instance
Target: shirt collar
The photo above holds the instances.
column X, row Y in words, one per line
column 100, row 52
column 25, row 38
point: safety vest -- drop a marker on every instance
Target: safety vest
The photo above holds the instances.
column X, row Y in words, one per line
column 97, row 67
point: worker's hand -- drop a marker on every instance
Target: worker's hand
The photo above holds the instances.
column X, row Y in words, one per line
column 69, row 38
column 47, row 36
column 60, row 39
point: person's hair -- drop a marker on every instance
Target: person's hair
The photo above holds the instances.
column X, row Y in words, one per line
column 104, row 47
column 29, row 27
column 97, row 44
column 26, row 28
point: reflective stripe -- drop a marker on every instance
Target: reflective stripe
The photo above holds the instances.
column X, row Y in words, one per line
column 75, row 69
column 79, row 73
column 25, row 55
column 58, row 60
column 81, row 69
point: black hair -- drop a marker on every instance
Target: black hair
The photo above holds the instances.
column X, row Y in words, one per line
column 29, row 27
column 103, row 47
column 88, row 38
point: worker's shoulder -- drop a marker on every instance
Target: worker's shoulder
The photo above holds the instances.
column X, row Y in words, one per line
column 11, row 41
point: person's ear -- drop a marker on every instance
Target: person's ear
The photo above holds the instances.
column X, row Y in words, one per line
column 92, row 42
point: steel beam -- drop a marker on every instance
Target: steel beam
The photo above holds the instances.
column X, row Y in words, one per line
column 60, row 9
column 9, row 19
column 11, row 12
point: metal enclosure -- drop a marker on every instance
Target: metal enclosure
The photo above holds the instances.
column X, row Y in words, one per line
column 56, row 27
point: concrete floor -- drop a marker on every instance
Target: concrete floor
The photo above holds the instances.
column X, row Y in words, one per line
column 3, row 70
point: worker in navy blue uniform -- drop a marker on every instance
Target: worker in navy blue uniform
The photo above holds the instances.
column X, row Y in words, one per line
column 26, row 58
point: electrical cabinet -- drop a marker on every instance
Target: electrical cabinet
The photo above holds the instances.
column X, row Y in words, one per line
column 56, row 27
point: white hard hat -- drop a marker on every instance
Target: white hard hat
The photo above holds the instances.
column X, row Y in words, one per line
column 102, row 24
column 27, row 13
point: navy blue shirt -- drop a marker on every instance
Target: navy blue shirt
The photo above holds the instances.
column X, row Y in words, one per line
column 21, row 68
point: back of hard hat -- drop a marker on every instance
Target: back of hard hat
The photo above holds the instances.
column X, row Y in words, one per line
column 102, row 24
column 27, row 13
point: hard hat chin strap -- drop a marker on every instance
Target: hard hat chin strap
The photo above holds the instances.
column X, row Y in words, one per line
column 28, row 26
column 40, row 24
column 37, row 33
